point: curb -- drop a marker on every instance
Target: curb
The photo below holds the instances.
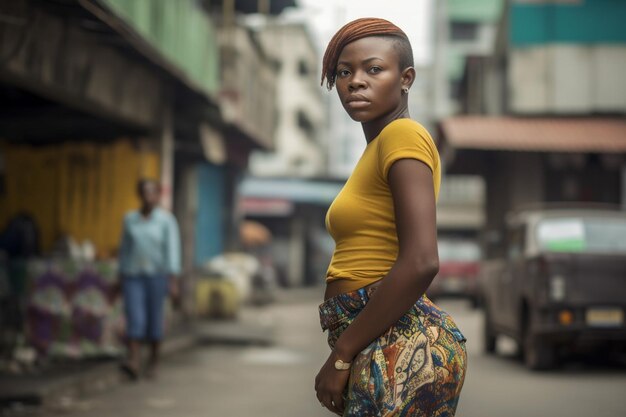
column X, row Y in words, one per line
column 234, row 333
column 64, row 392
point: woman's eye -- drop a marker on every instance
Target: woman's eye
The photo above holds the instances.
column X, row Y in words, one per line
column 343, row 73
column 375, row 70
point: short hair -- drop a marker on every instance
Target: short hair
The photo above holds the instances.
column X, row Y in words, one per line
column 145, row 181
column 362, row 28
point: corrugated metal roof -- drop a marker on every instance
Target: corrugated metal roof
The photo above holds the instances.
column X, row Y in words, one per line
column 178, row 35
column 607, row 135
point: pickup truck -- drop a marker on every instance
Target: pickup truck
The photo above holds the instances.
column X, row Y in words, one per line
column 559, row 283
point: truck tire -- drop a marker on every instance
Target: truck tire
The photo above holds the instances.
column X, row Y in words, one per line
column 489, row 336
column 538, row 354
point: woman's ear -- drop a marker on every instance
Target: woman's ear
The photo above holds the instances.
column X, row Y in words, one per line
column 408, row 77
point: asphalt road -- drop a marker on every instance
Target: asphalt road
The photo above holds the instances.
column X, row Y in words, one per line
column 248, row 380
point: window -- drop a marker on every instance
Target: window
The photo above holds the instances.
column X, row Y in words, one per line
column 303, row 68
column 463, row 31
column 305, row 124
column 298, row 162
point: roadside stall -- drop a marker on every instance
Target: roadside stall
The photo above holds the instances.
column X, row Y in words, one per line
column 62, row 210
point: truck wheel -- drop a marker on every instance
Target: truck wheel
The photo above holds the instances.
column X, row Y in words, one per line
column 489, row 336
column 538, row 354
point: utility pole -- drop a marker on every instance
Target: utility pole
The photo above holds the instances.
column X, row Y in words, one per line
column 228, row 12
column 441, row 93
column 263, row 6
column 228, row 27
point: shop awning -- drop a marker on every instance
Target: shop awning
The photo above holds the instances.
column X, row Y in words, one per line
column 292, row 190
column 595, row 135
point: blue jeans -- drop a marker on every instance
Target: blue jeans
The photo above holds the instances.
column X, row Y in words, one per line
column 144, row 299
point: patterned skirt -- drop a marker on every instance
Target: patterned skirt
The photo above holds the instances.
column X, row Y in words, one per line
column 416, row 368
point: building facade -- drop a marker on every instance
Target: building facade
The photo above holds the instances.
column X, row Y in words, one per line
column 98, row 94
column 465, row 29
column 462, row 30
column 298, row 149
column 546, row 120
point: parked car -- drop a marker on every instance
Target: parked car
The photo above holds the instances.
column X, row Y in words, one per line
column 459, row 261
column 561, row 283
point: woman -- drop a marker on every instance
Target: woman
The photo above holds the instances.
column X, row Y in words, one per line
column 393, row 351
column 149, row 260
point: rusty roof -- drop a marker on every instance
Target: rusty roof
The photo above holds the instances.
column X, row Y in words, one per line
column 601, row 135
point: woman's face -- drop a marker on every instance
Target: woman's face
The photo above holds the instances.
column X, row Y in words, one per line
column 369, row 80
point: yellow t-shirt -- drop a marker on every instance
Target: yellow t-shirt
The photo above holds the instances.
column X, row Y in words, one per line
column 361, row 219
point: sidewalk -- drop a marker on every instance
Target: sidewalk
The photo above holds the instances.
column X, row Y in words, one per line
column 229, row 375
column 61, row 381
column 62, row 384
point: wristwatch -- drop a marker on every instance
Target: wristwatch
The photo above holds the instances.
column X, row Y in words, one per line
column 341, row 365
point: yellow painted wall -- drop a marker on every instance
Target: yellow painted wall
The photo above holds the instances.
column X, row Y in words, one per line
column 79, row 189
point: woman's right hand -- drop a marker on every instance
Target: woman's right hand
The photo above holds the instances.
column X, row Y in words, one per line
column 330, row 385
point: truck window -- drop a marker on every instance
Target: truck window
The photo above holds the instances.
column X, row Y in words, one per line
column 492, row 242
column 582, row 234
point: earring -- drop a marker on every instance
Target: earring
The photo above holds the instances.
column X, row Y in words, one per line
column 405, row 90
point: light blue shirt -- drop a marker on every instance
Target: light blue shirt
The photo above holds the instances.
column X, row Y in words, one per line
column 150, row 245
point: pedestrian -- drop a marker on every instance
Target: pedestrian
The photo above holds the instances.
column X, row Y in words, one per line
column 149, row 264
column 393, row 352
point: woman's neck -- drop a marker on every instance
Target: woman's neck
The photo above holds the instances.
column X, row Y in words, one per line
column 373, row 128
column 146, row 210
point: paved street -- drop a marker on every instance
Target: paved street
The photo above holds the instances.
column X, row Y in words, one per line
column 500, row 386
column 239, row 380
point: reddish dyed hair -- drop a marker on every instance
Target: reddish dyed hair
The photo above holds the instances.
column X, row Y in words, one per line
column 358, row 29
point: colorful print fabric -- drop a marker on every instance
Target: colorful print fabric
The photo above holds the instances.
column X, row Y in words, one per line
column 416, row 368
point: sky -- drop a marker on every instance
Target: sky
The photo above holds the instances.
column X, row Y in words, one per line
column 412, row 16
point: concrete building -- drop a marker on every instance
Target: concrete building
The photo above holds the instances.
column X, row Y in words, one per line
column 461, row 30
column 345, row 142
column 548, row 108
column 126, row 74
column 283, row 190
column 298, row 149
column 97, row 94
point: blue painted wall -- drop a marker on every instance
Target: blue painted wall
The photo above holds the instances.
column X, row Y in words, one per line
column 587, row 22
column 209, row 222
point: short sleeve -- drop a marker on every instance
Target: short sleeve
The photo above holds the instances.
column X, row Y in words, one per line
column 406, row 140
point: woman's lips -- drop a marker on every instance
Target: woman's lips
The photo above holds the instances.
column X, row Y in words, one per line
column 357, row 104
